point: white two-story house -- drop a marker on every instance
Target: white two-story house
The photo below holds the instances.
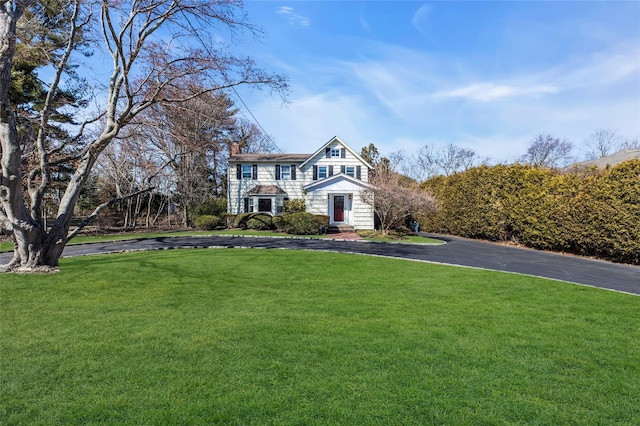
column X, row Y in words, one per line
column 330, row 181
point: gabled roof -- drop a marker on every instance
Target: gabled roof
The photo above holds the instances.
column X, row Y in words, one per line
column 268, row 158
column 332, row 140
column 340, row 176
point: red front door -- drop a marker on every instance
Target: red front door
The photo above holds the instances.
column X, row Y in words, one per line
column 338, row 208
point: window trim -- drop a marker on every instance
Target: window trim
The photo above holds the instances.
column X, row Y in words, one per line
column 246, row 172
column 285, row 172
column 248, row 205
column 264, row 200
column 350, row 171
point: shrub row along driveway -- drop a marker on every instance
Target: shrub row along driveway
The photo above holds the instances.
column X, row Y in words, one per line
column 457, row 251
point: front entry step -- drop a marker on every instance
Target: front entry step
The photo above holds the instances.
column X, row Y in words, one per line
column 338, row 229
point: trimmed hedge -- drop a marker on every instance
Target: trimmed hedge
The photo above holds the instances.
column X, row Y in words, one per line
column 589, row 212
column 209, row 222
column 257, row 221
column 300, row 224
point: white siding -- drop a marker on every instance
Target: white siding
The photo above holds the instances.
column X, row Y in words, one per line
column 318, row 200
column 336, row 162
column 266, row 176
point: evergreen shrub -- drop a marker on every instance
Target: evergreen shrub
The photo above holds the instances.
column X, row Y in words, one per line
column 300, row 224
column 209, row 222
column 295, row 205
column 590, row 212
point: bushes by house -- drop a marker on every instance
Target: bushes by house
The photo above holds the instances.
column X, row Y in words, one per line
column 294, row 205
column 300, row 224
column 588, row 212
column 209, row 222
column 209, row 214
column 257, row 221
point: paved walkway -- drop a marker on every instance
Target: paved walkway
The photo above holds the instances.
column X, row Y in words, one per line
column 457, row 251
column 345, row 236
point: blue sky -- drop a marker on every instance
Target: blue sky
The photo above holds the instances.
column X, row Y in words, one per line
column 488, row 76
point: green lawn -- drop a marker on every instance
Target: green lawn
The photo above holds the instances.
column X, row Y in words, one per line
column 83, row 239
column 242, row 336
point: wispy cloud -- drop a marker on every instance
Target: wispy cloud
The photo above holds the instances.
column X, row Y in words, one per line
column 488, row 92
column 293, row 18
column 420, row 17
column 492, row 96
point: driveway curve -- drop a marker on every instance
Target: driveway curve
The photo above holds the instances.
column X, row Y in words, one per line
column 457, row 251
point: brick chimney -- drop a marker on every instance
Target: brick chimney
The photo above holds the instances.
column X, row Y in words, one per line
column 235, row 149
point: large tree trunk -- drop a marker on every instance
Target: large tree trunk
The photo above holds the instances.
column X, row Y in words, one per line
column 27, row 233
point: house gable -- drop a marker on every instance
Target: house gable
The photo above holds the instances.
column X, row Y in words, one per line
column 325, row 152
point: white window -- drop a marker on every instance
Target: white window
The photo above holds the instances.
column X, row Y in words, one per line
column 248, row 205
column 335, row 152
column 247, row 172
column 322, row 172
column 350, row 171
column 285, row 172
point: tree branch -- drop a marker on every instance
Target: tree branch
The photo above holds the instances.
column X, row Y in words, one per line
column 103, row 206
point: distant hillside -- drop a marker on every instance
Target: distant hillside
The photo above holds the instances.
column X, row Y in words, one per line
column 610, row 160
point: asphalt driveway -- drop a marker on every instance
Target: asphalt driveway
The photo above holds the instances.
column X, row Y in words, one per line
column 457, row 251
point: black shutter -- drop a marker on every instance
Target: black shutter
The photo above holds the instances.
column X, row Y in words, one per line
column 246, row 205
column 315, row 172
column 327, row 152
column 293, row 172
column 342, row 169
column 343, row 153
column 254, row 172
column 330, row 170
column 238, row 171
column 277, row 171
column 358, row 172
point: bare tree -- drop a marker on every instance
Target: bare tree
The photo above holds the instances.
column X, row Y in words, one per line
column 250, row 139
column 154, row 47
column 431, row 161
column 630, row 144
column 395, row 198
column 548, row 151
column 602, row 142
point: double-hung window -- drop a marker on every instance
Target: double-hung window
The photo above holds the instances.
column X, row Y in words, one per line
column 285, row 172
column 322, row 172
column 248, row 205
column 247, row 171
column 350, row 171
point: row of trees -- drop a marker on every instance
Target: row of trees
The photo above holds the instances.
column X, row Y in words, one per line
column 544, row 150
column 165, row 56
